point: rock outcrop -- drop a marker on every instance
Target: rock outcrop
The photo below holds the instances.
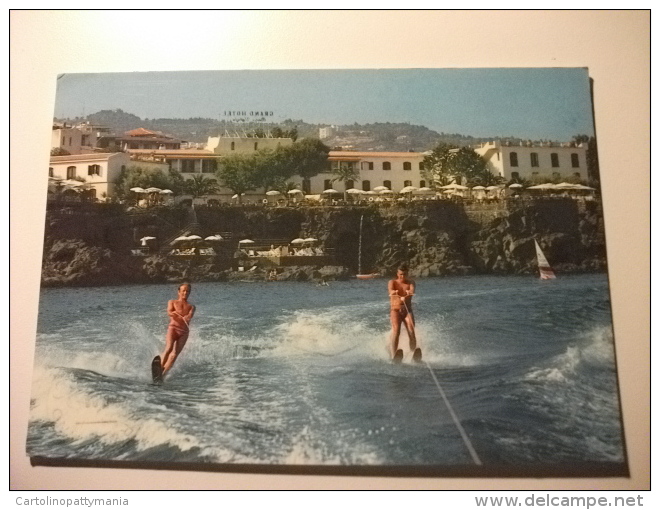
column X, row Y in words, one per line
column 93, row 246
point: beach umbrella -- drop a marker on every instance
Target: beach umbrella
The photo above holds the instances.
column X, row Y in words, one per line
column 152, row 190
column 166, row 192
column 385, row 192
column 515, row 185
column 491, row 188
column 273, row 193
column 354, row 191
column 294, row 192
column 454, row 186
column 194, row 238
column 565, row 185
column 310, row 240
column 408, row 189
column 381, row 188
column 147, row 238
column 180, row 239
column 547, row 185
column 298, row 240
column 371, row 192
column 138, row 190
column 582, row 186
column 246, row 241
column 216, row 237
column 330, row 191
column 478, row 187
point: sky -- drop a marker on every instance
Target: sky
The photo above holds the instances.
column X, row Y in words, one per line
column 530, row 103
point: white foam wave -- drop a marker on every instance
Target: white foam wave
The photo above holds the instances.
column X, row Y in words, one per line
column 594, row 348
column 80, row 416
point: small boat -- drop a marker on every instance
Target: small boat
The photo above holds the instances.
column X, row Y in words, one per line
column 545, row 270
column 360, row 275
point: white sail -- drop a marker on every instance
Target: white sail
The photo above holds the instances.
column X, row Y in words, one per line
column 545, row 270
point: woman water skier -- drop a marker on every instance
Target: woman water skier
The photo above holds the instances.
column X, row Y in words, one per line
column 180, row 312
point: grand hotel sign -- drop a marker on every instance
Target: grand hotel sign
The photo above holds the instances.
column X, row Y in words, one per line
column 248, row 113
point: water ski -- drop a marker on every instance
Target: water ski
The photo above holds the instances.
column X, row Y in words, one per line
column 398, row 356
column 417, row 355
column 156, row 370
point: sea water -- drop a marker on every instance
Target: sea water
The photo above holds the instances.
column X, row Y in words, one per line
column 299, row 374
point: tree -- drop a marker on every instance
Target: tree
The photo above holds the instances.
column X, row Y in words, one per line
column 593, row 166
column 238, row 172
column 200, row 186
column 447, row 163
column 306, row 157
column 343, row 172
column 136, row 176
column 59, row 151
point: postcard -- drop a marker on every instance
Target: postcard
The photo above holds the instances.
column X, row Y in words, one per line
column 357, row 272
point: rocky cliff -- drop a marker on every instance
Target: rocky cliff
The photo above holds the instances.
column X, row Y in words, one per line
column 91, row 244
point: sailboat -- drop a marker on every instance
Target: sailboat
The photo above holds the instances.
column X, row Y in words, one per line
column 545, row 270
column 360, row 275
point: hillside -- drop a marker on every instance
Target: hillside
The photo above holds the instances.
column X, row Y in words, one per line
column 384, row 136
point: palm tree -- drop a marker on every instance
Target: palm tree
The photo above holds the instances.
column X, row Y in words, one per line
column 345, row 172
column 201, row 186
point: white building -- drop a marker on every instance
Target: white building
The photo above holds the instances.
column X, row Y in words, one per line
column 69, row 139
column 535, row 160
column 394, row 170
column 99, row 170
column 226, row 145
column 327, row 132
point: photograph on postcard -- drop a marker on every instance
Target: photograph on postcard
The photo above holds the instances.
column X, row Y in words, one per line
column 397, row 272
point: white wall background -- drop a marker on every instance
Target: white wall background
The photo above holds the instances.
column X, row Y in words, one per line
column 614, row 45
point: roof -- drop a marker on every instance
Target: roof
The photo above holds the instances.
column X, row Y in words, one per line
column 175, row 153
column 145, row 132
column 372, row 154
column 73, row 158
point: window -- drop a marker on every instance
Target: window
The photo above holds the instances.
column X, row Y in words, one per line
column 307, row 186
column 188, row 166
column 513, row 159
column 71, row 172
column 50, row 171
column 534, row 158
column 94, row 170
column 367, row 165
column 232, row 146
column 387, row 184
column 407, row 165
column 387, row 165
column 421, row 165
column 327, row 184
column 575, row 160
column 209, row 166
column 515, row 175
column 349, row 184
column 366, row 185
column 407, row 183
column 63, row 141
column 554, row 160
column 422, row 184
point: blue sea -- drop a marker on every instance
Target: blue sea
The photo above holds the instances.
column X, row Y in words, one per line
column 292, row 373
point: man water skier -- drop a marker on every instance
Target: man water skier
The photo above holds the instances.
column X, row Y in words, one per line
column 180, row 312
column 401, row 290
